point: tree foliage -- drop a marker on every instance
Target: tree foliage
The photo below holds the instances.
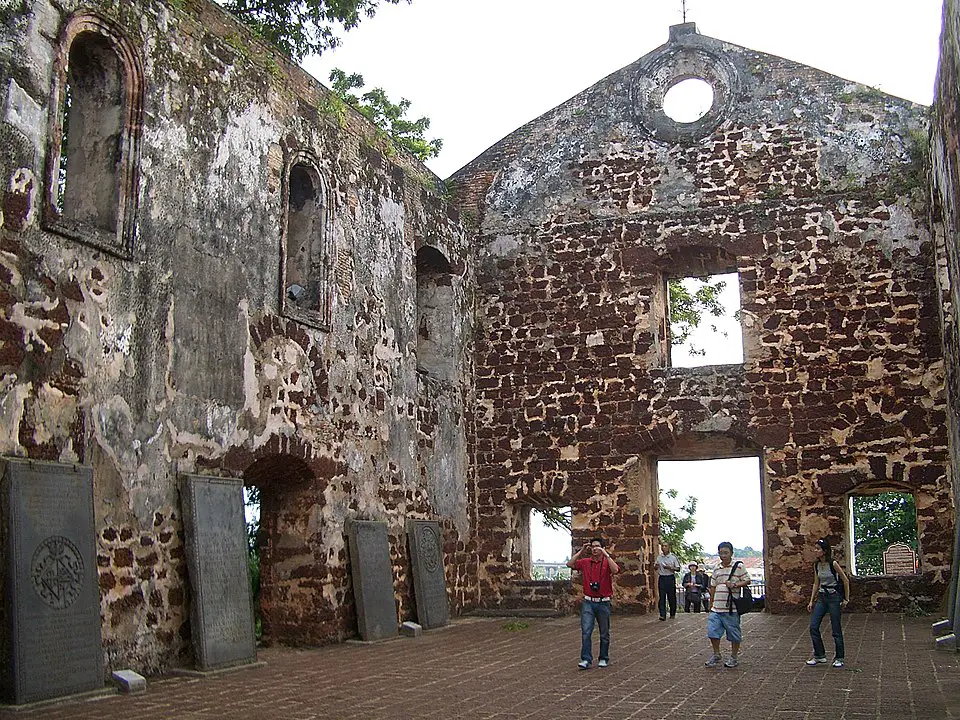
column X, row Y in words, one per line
column 878, row 521
column 557, row 518
column 387, row 115
column 674, row 527
column 687, row 308
column 303, row 27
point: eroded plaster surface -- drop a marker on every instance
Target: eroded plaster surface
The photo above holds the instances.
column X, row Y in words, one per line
column 181, row 358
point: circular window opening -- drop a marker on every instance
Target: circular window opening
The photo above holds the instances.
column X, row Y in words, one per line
column 688, row 100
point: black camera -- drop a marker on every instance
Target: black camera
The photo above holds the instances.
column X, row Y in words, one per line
column 595, row 586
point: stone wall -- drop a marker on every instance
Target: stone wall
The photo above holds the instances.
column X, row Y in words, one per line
column 812, row 189
column 945, row 175
column 177, row 310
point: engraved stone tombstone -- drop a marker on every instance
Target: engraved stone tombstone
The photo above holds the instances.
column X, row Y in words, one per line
column 429, row 583
column 221, row 608
column 899, row 559
column 372, row 575
column 51, row 629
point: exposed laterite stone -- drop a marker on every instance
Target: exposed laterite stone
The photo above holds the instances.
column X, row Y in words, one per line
column 585, row 212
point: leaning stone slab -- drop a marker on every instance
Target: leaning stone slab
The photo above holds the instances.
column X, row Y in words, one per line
column 129, row 682
column 429, row 582
column 50, row 631
column 372, row 575
column 221, row 608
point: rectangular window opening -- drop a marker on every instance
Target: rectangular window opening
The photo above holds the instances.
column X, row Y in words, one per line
column 550, row 543
column 704, row 320
column 883, row 534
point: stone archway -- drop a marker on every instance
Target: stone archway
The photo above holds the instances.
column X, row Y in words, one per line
column 287, row 556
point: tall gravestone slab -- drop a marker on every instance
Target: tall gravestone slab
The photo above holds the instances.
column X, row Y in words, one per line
column 221, row 608
column 372, row 575
column 429, row 582
column 51, row 629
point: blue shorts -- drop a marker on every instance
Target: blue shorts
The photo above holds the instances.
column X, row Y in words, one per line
column 718, row 623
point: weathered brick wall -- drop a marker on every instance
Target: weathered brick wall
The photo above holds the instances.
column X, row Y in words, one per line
column 178, row 359
column 811, row 188
column 945, row 176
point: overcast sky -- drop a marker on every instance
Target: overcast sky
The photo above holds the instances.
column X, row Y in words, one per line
column 480, row 70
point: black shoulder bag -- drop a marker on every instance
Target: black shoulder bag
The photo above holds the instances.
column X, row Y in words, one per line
column 744, row 603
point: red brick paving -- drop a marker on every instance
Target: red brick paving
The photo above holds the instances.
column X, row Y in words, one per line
column 478, row 669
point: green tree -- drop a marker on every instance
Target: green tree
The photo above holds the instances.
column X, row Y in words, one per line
column 687, row 309
column 878, row 521
column 303, row 27
column 674, row 527
column 387, row 115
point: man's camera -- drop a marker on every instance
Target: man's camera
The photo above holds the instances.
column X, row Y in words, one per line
column 595, row 586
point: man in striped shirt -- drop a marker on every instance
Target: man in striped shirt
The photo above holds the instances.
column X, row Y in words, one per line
column 725, row 585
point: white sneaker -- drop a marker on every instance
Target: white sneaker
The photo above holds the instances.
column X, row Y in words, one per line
column 583, row 665
column 838, row 663
column 713, row 661
column 816, row 661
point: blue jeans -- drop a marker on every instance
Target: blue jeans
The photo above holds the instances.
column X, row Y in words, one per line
column 590, row 613
column 826, row 603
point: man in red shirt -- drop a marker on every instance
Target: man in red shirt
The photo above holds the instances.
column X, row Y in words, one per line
column 596, row 569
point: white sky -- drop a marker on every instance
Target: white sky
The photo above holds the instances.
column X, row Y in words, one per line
column 480, row 70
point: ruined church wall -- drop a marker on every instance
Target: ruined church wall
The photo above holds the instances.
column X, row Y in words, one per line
column 945, row 179
column 174, row 354
column 811, row 188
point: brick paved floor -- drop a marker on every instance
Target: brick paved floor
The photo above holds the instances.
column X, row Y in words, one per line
column 478, row 669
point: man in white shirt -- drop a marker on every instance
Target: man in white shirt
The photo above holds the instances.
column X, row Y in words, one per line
column 667, row 564
column 725, row 585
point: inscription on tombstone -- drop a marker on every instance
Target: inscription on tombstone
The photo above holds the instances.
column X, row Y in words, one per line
column 372, row 575
column 221, row 609
column 51, row 629
column 429, row 582
column 899, row 559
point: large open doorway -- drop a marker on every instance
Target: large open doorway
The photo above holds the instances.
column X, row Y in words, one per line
column 279, row 507
column 706, row 502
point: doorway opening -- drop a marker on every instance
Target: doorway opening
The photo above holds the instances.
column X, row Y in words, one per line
column 705, row 502
column 277, row 507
